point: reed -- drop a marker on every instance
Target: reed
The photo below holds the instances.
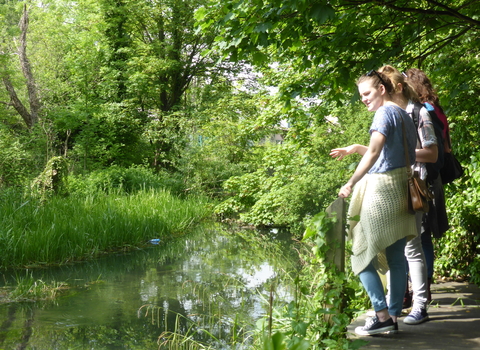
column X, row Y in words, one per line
column 27, row 288
column 64, row 229
column 199, row 332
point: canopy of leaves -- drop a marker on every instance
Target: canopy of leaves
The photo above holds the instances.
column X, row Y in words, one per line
column 341, row 39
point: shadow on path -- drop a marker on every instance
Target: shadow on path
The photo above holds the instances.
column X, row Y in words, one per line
column 454, row 322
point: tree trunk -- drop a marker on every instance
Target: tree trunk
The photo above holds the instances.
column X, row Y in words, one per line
column 26, row 68
column 17, row 104
column 30, row 117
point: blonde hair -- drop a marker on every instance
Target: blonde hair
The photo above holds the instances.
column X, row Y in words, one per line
column 377, row 79
column 397, row 79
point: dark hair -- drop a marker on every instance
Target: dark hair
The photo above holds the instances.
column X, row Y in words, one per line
column 422, row 85
column 377, row 79
column 398, row 78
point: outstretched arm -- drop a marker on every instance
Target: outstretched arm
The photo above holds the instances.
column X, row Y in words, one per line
column 342, row 152
column 377, row 141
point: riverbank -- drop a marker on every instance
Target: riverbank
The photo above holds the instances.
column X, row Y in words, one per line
column 60, row 230
column 454, row 322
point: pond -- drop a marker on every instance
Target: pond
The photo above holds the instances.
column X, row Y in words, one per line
column 211, row 285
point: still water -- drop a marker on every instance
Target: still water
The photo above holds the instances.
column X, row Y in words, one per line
column 211, row 285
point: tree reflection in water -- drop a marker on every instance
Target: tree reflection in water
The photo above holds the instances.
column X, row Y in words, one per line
column 211, row 285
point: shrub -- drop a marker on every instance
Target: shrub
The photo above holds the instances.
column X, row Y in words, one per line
column 296, row 179
column 326, row 299
column 292, row 184
column 14, row 160
column 127, row 180
column 52, row 179
column 458, row 251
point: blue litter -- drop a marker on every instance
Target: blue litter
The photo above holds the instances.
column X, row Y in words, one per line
column 155, row 241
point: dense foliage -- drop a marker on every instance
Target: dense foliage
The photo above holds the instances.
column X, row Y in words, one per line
column 128, row 83
column 323, row 46
column 240, row 100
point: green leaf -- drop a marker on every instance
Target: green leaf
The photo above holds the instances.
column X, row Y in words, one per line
column 354, row 218
column 303, row 344
column 236, row 41
column 357, row 344
column 300, row 327
column 259, row 57
column 309, row 232
column 263, row 27
column 200, row 13
column 229, row 16
column 275, row 342
column 321, row 13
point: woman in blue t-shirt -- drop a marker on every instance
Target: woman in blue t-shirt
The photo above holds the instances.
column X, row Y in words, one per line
column 379, row 198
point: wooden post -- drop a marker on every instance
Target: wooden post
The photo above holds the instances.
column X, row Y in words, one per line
column 336, row 236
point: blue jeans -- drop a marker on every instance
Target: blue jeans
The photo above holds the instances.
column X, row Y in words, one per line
column 372, row 283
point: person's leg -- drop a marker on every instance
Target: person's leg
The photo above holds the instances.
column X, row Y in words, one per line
column 396, row 261
column 382, row 322
column 418, row 275
column 417, row 267
column 427, row 245
column 373, row 285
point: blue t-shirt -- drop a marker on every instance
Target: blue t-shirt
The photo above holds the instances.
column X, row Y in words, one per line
column 387, row 121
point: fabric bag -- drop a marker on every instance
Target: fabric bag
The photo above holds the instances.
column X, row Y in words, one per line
column 418, row 193
column 452, row 169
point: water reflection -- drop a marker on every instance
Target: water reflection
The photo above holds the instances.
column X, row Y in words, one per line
column 212, row 284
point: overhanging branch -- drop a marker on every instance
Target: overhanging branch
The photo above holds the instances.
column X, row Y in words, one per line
column 437, row 46
column 447, row 11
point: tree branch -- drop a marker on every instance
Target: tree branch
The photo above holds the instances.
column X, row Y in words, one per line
column 435, row 47
column 448, row 11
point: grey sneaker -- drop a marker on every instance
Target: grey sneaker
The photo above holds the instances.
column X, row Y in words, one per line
column 416, row 316
column 374, row 326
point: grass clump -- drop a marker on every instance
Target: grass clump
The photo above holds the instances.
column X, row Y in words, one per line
column 64, row 229
column 26, row 288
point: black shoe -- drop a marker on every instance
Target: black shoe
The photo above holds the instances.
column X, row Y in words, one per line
column 374, row 326
column 395, row 329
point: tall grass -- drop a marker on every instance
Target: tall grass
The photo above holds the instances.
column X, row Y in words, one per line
column 64, row 229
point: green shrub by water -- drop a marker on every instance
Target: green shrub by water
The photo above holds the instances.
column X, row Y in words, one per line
column 64, row 229
column 118, row 179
